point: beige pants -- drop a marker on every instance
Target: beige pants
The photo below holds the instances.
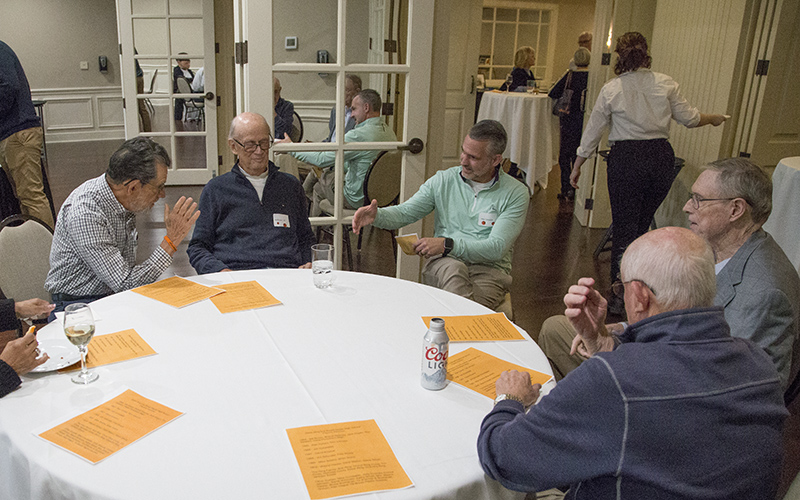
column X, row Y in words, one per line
column 20, row 155
column 143, row 113
column 485, row 285
column 555, row 339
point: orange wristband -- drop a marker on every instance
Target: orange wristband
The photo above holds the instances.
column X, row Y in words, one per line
column 170, row 243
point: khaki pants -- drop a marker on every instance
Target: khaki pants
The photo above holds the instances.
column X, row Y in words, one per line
column 20, row 155
column 555, row 339
column 143, row 113
column 485, row 285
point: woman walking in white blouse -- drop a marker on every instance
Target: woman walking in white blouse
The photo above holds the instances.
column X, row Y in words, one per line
column 637, row 106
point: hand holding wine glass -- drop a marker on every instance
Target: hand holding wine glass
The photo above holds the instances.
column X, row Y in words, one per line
column 79, row 328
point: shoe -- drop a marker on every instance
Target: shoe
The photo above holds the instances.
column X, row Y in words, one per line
column 570, row 195
column 616, row 306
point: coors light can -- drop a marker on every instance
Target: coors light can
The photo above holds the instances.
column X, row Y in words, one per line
column 435, row 347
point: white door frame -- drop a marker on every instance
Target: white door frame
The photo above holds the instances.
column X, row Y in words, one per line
column 258, row 80
column 125, row 20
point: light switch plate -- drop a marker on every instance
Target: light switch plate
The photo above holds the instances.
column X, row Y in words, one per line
column 84, row 64
column 291, row 43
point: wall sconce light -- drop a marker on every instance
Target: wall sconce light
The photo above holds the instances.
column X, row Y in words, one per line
column 606, row 58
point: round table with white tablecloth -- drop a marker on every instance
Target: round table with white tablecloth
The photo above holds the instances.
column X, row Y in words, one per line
column 349, row 353
column 531, row 128
column 782, row 222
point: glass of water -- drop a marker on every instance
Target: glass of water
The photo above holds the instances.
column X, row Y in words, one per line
column 79, row 328
column 322, row 264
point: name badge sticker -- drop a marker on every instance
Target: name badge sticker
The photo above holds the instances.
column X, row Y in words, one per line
column 281, row 220
column 486, row 220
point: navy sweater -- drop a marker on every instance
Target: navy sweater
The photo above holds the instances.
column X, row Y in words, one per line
column 236, row 231
column 16, row 108
column 680, row 410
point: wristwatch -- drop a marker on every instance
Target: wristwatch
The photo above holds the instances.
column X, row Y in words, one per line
column 448, row 246
column 503, row 397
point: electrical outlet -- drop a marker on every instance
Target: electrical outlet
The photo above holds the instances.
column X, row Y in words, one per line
column 84, row 65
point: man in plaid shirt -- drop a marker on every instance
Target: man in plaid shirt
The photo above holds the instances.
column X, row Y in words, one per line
column 94, row 244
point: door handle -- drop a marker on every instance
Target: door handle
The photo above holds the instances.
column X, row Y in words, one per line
column 472, row 86
column 414, row 146
column 209, row 96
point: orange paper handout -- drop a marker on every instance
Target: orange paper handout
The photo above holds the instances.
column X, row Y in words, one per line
column 113, row 348
column 480, row 328
column 106, row 429
column 479, row 371
column 177, row 291
column 242, row 296
column 346, row 459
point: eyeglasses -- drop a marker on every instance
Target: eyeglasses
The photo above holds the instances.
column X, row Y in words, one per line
column 618, row 287
column 250, row 146
column 696, row 199
column 158, row 188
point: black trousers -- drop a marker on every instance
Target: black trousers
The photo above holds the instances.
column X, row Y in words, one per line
column 640, row 174
column 571, row 129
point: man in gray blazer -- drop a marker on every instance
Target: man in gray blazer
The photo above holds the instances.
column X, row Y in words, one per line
column 756, row 283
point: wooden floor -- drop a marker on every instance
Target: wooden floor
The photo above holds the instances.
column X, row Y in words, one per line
column 552, row 252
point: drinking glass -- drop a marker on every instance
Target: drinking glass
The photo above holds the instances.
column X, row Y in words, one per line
column 79, row 328
column 322, row 264
column 531, row 88
column 509, row 81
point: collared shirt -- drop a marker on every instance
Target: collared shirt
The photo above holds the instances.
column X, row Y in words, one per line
column 356, row 163
column 637, row 105
column 483, row 225
column 94, row 245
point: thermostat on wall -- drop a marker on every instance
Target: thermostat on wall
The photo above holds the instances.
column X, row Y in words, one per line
column 291, row 43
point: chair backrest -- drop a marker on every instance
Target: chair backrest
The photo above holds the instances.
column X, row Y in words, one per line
column 382, row 182
column 25, row 243
column 153, row 81
column 297, row 128
column 183, row 85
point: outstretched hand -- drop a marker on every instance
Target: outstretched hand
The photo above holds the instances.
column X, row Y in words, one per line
column 285, row 140
column 21, row 354
column 365, row 216
column 33, row 308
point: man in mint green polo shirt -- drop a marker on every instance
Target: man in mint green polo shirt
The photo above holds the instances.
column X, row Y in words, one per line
column 480, row 212
column 370, row 127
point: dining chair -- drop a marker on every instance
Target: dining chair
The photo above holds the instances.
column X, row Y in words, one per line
column 25, row 243
column 296, row 135
column 197, row 104
column 147, row 103
column 382, row 183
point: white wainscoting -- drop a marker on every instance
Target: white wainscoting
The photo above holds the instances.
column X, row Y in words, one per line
column 82, row 114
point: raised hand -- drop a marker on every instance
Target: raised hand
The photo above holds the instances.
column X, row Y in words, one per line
column 365, row 216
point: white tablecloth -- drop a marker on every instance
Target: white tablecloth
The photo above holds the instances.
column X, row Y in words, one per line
column 531, row 128
column 783, row 222
column 324, row 356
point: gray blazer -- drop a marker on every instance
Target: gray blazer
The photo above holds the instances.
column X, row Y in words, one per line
column 760, row 291
column 332, row 124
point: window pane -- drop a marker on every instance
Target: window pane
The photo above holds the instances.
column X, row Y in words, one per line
column 186, row 35
column 319, row 95
column 488, row 14
column 312, row 24
column 391, row 90
column 528, row 16
column 543, row 39
column 190, row 152
column 151, row 7
column 186, row 7
column 486, row 39
column 504, row 44
column 150, row 36
column 507, row 15
column 376, row 41
column 528, row 35
column 545, row 16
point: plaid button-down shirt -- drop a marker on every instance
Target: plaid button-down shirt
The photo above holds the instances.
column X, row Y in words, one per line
column 94, row 245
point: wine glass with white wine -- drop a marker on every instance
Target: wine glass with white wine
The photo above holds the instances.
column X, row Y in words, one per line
column 79, row 327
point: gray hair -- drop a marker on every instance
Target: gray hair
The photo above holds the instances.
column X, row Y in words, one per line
column 521, row 56
column 136, row 159
column 355, row 79
column 582, row 57
column 372, row 98
column 741, row 178
column 492, row 131
column 677, row 264
column 245, row 116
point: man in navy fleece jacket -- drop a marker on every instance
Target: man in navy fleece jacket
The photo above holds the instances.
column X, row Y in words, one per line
column 675, row 409
column 255, row 217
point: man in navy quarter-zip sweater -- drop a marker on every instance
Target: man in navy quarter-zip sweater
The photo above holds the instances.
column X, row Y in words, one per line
column 256, row 216
column 673, row 408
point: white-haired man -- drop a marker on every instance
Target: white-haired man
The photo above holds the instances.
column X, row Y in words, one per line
column 756, row 283
column 675, row 409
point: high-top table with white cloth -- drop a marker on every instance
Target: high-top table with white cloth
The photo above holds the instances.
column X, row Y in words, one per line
column 531, row 127
column 349, row 353
column 783, row 221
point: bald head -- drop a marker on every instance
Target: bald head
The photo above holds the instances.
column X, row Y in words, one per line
column 247, row 120
column 676, row 264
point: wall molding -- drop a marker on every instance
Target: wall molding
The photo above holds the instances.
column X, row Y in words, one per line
column 82, row 113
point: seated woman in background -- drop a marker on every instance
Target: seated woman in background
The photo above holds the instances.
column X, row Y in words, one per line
column 523, row 60
column 571, row 124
